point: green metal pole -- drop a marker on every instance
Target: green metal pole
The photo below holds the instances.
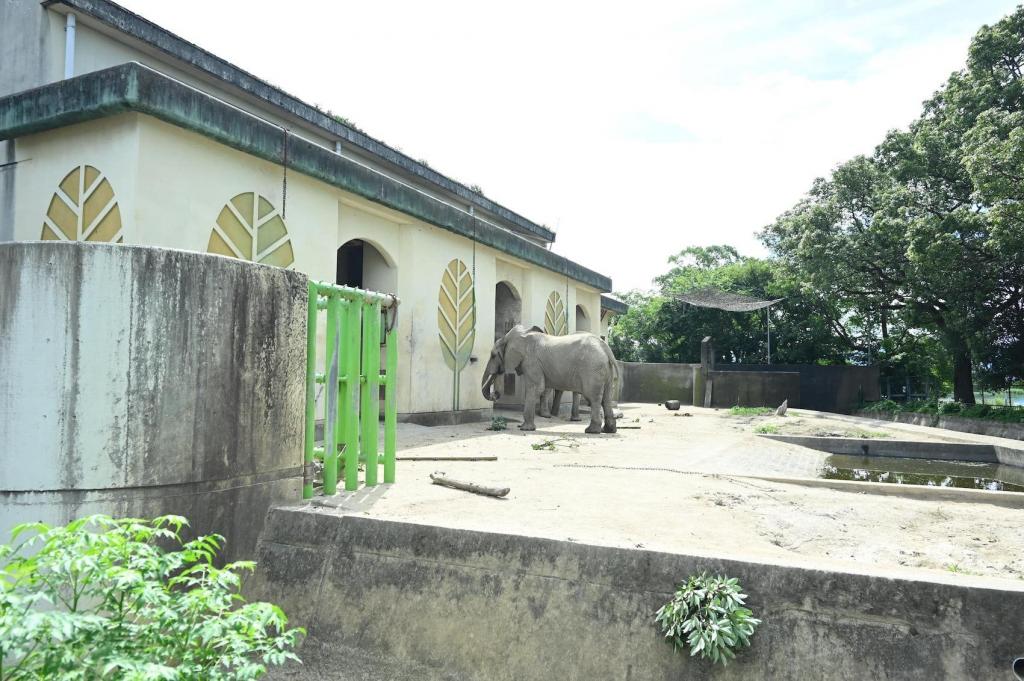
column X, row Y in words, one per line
column 369, row 407
column 350, row 401
column 390, row 403
column 307, row 452
column 332, row 372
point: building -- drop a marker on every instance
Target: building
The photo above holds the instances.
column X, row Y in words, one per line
column 116, row 130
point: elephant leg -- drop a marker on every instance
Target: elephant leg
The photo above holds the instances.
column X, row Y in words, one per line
column 530, row 397
column 575, row 414
column 556, row 403
column 543, row 409
column 609, row 411
column 595, row 416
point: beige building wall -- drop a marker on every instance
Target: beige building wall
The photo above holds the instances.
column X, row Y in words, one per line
column 171, row 185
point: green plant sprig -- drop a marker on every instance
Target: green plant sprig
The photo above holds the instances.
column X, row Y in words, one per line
column 707, row 614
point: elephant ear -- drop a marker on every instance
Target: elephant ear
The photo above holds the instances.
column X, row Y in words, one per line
column 535, row 329
column 515, row 351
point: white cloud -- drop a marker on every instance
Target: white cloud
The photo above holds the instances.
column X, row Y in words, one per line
column 636, row 130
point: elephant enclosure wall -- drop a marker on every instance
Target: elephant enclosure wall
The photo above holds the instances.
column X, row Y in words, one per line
column 142, row 381
column 651, row 382
column 824, row 388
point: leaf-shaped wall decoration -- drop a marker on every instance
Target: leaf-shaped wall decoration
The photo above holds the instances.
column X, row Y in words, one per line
column 83, row 209
column 456, row 320
column 554, row 315
column 250, row 228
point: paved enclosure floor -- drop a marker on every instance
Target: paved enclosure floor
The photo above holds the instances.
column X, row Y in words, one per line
column 690, row 484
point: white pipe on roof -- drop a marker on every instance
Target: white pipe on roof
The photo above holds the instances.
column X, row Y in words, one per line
column 69, row 46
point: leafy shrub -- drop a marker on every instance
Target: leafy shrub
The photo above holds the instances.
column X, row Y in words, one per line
column 707, row 614
column 498, row 423
column 767, row 429
column 882, row 406
column 100, row 599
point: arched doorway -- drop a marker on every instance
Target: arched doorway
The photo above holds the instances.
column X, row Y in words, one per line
column 361, row 264
column 508, row 311
column 582, row 320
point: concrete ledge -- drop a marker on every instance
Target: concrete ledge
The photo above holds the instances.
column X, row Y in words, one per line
column 946, row 451
column 1012, row 431
column 444, row 418
column 924, row 492
column 494, row 606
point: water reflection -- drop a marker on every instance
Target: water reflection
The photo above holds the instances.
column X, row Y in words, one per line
column 928, row 472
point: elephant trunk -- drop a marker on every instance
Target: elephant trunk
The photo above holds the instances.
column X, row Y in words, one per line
column 490, row 391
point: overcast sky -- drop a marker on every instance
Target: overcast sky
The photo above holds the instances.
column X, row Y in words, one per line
column 633, row 129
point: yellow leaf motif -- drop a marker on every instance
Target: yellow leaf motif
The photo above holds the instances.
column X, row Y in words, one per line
column 83, row 209
column 554, row 315
column 456, row 320
column 250, row 228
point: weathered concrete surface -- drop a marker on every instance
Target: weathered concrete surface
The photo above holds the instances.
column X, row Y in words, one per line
column 1013, row 431
column 142, row 381
column 654, row 382
column 494, row 606
column 754, row 388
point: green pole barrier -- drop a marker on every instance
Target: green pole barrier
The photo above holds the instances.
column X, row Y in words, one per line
column 350, row 401
column 390, row 402
column 307, row 452
column 369, row 406
column 343, row 415
column 331, row 397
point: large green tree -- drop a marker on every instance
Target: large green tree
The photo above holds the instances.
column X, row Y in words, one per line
column 926, row 235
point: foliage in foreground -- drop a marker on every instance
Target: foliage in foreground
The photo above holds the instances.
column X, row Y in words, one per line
column 707, row 615
column 99, row 599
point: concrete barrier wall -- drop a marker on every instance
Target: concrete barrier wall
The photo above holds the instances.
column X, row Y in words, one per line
column 754, row 388
column 1012, row 431
column 478, row 605
column 835, row 388
column 139, row 381
column 653, row 382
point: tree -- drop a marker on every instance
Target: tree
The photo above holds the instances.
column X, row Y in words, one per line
column 927, row 233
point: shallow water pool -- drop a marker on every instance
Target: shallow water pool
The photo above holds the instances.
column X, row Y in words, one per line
column 927, row 472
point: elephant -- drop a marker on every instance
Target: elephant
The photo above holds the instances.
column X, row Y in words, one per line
column 581, row 363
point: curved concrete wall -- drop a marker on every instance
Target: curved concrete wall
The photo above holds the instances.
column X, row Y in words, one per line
column 139, row 381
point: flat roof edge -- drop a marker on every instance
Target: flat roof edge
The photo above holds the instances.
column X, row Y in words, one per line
column 614, row 305
column 134, row 87
column 146, row 31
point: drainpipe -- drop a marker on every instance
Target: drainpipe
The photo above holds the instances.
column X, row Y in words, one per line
column 69, row 47
column 1018, row 667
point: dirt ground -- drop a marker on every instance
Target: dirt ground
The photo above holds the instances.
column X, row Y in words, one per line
column 687, row 482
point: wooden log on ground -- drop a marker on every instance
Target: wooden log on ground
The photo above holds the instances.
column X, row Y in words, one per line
column 439, row 478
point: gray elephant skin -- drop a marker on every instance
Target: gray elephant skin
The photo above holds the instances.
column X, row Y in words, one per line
column 580, row 363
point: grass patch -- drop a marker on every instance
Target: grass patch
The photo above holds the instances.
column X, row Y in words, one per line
column 750, row 411
column 767, row 429
column 869, row 434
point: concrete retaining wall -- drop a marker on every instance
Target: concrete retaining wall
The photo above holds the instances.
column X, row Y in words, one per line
column 653, row 382
column 140, row 381
column 501, row 607
column 754, row 388
column 1012, row 431
column 834, row 388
